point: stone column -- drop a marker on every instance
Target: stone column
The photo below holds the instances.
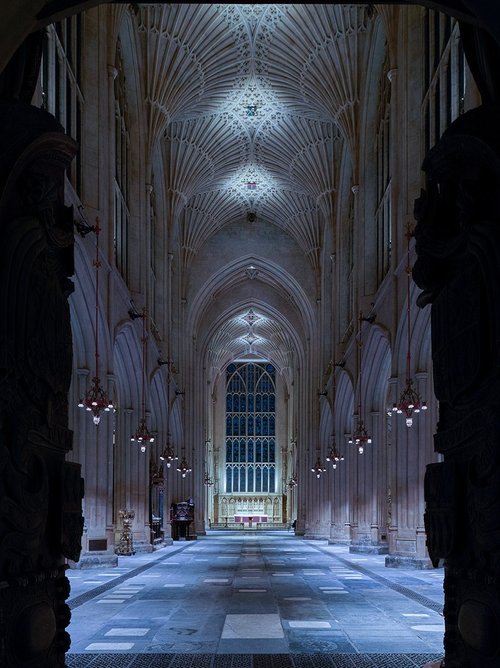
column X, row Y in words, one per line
column 458, row 268
column 40, row 493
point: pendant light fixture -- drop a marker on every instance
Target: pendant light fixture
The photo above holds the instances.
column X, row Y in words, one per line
column 95, row 399
column 183, row 467
column 318, row 468
column 142, row 435
column 208, row 480
column 409, row 402
column 168, row 455
column 360, row 437
column 333, row 455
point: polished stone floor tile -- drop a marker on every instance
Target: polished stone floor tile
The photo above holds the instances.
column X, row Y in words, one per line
column 246, row 601
column 110, row 646
column 252, row 626
column 126, row 632
column 309, row 625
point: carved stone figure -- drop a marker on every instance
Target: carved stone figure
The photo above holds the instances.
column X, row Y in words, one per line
column 40, row 494
column 458, row 267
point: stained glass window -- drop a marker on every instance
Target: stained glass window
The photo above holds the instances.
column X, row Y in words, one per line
column 250, row 416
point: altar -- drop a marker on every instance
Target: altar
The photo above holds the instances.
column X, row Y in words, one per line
column 250, row 520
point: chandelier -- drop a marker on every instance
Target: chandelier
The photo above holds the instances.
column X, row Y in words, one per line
column 409, row 403
column 168, row 455
column 318, row 468
column 293, row 482
column 142, row 434
column 208, row 480
column 183, row 467
column 333, row 455
column 360, row 436
column 95, row 399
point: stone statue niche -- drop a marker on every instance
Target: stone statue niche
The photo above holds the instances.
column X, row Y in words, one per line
column 181, row 516
column 458, row 268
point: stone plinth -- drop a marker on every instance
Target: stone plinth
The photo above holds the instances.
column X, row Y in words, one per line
column 400, row 561
column 92, row 560
column 366, row 548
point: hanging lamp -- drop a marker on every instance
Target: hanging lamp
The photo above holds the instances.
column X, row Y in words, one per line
column 409, row 402
column 142, row 434
column 183, row 467
column 318, row 468
column 95, row 399
column 360, row 437
column 333, row 455
column 168, row 455
column 293, row 482
column 207, row 480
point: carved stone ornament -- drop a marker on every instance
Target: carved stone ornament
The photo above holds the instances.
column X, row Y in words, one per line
column 40, row 494
column 458, row 268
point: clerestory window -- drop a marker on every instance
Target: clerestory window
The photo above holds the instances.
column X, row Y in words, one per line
column 122, row 162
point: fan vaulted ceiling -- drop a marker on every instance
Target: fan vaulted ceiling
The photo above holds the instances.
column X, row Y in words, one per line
column 253, row 105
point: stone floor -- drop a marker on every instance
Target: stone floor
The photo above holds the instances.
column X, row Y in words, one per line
column 248, row 600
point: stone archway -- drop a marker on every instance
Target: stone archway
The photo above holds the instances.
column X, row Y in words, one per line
column 460, row 493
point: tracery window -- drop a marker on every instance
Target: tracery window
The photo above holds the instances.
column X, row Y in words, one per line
column 61, row 85
column 346, row 294
column 122, row 161
column 251, row 428
column 444, row 75
column 383, row 211
column 153, row 233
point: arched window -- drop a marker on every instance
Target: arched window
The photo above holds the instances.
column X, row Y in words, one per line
column 250, row 428
column 383, row 147
column 444, row 75
column 122, row 161
column 61, row 83
column 153, row 243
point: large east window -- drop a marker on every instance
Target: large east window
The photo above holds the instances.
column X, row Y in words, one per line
column 251, row 428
